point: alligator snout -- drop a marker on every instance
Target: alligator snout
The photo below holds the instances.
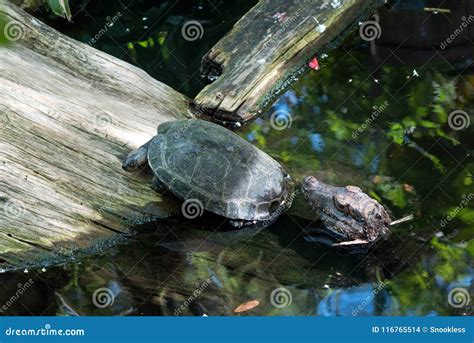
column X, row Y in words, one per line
column 309, row 182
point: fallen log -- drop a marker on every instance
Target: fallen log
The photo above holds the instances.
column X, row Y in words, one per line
column 267, row 49
column 68, row 116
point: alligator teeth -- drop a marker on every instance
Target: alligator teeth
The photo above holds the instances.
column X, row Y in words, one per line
column 402, row 220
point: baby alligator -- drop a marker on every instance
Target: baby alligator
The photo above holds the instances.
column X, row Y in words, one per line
column 349, row 216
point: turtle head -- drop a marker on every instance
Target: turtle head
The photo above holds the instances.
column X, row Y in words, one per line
column 346, row 212
column 137, row 158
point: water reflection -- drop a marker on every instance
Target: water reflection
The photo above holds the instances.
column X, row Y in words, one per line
column 363, row 300
column 144, row 278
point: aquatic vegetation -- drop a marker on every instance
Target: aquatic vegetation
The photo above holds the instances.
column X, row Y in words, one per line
column 425, row 289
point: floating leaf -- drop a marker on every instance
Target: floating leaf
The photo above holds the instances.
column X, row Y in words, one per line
column 247, row 306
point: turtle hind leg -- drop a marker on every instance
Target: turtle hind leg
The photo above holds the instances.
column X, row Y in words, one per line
column 239, row 223
column 137, row 158
column 158, row 186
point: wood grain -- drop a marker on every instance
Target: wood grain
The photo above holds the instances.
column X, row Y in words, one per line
column 69, row 114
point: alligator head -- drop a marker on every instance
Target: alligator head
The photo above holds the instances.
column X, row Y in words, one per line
column 347, row 213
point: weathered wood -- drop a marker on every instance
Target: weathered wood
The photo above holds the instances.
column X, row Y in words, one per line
column 68, row 116
column 267, row 48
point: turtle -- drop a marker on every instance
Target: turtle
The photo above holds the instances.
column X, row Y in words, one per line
column 212, row 168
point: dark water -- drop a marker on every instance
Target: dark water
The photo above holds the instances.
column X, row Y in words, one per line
column 148, row 34
column 409, row 156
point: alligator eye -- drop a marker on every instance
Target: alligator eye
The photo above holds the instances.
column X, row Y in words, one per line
column 339, row 206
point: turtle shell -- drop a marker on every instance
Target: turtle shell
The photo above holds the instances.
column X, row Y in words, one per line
column 203, row 161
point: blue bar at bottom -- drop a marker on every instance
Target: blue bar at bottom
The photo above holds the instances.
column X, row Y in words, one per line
column 237, row 329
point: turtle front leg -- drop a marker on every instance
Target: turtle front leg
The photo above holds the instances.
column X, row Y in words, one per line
column 158, row 186
column 137, row 158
